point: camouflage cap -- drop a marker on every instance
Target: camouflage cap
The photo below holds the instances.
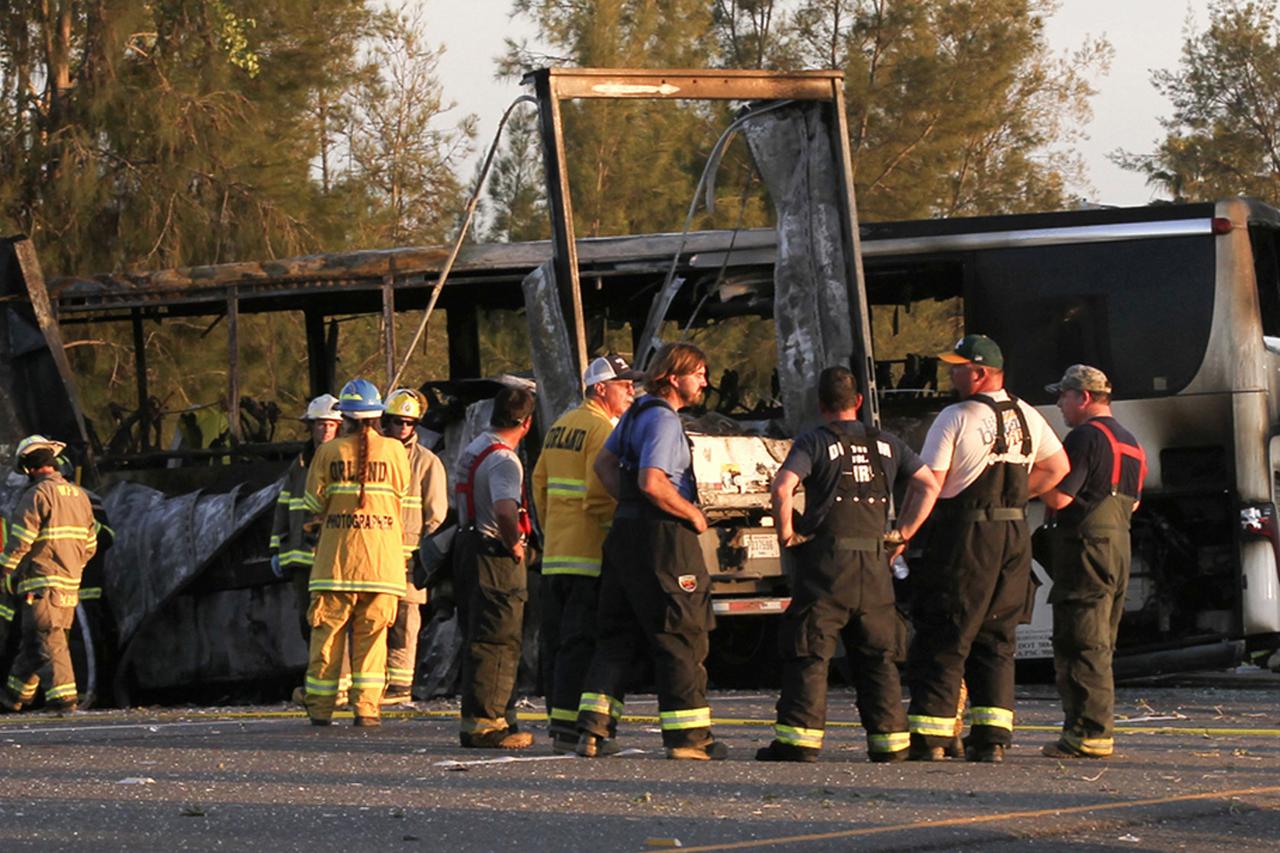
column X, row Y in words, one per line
column 1081, row 377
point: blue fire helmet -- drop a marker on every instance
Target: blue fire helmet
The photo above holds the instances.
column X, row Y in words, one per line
column 360, row 400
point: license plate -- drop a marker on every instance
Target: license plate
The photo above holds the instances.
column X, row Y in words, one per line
column 762, row 546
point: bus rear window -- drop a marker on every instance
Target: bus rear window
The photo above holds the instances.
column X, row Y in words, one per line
column 1139, row 309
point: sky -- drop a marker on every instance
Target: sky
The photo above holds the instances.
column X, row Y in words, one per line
column 1145, row 34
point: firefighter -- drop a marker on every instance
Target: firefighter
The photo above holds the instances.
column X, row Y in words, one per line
column 52, row 535
column 575, row 512
column 293, row 541
column 489, row 575
column 1090, row 556
column 991, row 452
column 843, row 583
column 355, row 485
column 424, row 507
column 654, row 593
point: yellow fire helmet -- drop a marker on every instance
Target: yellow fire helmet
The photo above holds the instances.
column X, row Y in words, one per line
column 406, row 403
column 36, row 442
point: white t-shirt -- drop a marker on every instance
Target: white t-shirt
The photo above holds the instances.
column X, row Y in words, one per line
column 961, row 439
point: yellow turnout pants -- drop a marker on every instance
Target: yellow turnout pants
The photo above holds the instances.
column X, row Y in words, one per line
column 368, row 614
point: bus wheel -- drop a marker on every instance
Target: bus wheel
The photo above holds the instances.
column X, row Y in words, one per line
column 744, row 652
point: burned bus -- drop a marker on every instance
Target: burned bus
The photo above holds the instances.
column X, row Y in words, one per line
column 1180, row 305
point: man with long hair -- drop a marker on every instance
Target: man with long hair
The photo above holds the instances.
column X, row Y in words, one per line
column 655, row 595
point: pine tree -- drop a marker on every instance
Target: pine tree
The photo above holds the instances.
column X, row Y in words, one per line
column 1223, row 138
column 956, row 107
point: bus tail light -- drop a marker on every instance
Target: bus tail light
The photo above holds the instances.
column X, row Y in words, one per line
column 1220, row 225
column 1258, row 521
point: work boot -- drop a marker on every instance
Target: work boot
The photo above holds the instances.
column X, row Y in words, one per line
column 1062, row 749
column 397, row 696
column 367, row 722
column 987, row 753
column 320, row 721
column 497, row 739
column 955, row 749
column 62, row 708
column 563, row 743
column 887, row 757
column 9, row 705
column 712, row 750
column 778, row 751
column 924, row 752
column 567, row 744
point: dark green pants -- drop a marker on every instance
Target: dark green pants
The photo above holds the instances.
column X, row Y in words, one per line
column 1090, row 575
column 492, row 590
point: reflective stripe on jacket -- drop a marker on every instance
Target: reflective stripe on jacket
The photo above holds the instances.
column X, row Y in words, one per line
column 572, row 504
column 296, row 547
column 426, row 501
column 360, row 545
column 52, row 534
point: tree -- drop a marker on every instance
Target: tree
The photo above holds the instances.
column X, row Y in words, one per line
column 956, row 107
column 399, row 150
column 1223, row 137
column 515, row 207
column 632, row 165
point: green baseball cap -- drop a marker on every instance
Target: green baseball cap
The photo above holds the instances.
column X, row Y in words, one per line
column 1081, row 377
column 975, row 349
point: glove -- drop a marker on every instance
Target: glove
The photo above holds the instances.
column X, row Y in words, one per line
column 275, row 566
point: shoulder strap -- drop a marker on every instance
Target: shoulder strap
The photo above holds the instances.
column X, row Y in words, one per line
column 999, row 407
column 1119, row 450
column 629, row 420
column 467, row 488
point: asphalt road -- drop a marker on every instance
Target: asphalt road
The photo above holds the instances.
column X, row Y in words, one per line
column 1198, row 768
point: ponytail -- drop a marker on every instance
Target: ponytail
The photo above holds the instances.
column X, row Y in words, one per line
column 362, row 457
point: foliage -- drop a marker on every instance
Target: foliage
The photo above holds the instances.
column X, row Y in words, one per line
column 168, row 133
column 1223, row 137
column 956, row 107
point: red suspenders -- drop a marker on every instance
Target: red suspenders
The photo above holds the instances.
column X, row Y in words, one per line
column 1118, row 452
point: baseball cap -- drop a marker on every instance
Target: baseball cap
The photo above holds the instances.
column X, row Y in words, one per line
column 607, row 368
column 975, row 349
column 1081, row 377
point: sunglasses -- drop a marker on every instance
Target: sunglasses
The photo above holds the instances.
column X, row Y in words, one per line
column 400, row 422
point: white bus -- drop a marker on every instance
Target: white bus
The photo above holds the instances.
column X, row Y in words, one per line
column 1180, row 305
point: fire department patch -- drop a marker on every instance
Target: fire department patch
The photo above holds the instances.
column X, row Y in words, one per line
column 689, row 583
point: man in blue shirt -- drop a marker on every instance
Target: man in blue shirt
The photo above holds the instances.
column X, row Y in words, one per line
column 655, row 590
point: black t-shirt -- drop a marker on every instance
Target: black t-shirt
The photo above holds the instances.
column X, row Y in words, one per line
column 815, row 458
column 1089, row 480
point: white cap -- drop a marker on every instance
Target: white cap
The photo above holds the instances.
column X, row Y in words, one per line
column 607, row 368
column 323, row 408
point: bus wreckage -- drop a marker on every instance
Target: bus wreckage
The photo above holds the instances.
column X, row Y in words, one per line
column 1180, row 305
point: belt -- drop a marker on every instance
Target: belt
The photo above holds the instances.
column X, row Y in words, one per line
column 859, row 543
column 995, row 513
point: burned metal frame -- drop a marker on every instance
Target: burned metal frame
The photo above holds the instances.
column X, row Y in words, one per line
column 553, row 85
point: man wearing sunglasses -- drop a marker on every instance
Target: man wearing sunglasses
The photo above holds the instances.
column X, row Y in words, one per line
column 423, row 509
